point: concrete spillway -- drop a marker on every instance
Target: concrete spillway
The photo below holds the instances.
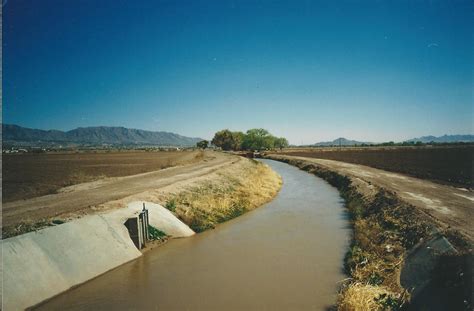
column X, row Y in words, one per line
column 39, row 265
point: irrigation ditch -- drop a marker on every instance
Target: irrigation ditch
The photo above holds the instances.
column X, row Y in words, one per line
column 399, row 258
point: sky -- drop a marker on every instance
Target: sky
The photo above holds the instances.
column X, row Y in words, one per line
column 307, row 70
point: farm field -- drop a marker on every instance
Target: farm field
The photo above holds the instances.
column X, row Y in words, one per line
column 450, row 165
column 31, row 175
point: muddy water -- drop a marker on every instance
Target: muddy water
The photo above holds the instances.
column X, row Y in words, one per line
column 287, row 255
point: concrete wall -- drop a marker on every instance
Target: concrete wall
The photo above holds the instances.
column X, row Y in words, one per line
column 42, row 264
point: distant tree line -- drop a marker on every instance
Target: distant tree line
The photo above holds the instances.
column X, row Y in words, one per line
column 254, row 139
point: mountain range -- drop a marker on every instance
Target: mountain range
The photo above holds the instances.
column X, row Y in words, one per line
column 444, row 139
column 341, row 141
column 424, row 139
column 98, row 135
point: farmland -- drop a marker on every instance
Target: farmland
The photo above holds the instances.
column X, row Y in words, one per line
column 448, row 164
column 31, row 175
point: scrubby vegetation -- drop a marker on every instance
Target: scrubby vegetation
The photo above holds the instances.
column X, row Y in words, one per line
column 203, row 144
column 216, row 201
column 25, row 227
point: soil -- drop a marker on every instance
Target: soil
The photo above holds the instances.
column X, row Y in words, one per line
column 446, row 164
column 31, row 175
column 451, row 207
column 84, row 198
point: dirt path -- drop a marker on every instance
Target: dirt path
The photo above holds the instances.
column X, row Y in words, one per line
column 450, row 206
column 83, row 197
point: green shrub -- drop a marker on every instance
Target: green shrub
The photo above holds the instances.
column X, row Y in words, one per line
column 155, row 234
column 171, row 205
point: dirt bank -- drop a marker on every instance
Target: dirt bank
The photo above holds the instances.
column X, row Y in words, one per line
column 446, row 164
column 205, row 193
column 32, row 175
column 204, row 201
column 81, row 199
column 387, row 223
column 449, row 206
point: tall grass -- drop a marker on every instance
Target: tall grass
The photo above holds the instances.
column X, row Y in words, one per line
column 235, row 193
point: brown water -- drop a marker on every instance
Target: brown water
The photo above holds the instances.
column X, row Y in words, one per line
column 286, row 255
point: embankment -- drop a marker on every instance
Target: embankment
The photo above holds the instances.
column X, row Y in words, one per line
column 445, row 164
column 208, row 200
column 233, row 192
column 39, row 265
column 390, row 237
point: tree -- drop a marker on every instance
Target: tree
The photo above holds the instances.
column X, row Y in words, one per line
column 254, row 139
column 224, row 139
column 258, row 139
column 281, row 143
column 203, row 144
column 238, row 138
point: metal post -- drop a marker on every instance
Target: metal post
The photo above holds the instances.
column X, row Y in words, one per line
column 147, row 222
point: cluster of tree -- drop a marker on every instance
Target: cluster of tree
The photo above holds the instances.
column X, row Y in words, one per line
column 254, row 139
column 203, row 144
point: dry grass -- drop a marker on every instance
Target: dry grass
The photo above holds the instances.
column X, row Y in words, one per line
column 384, row 229
column 363, row 297
column 231, row 194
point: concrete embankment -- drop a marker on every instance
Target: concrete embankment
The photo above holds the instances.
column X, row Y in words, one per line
column 39, row 265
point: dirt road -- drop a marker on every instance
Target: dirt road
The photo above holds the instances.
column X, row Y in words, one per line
column 449, row 165
column 450, row 206
column 30, row 175
column 82, row 197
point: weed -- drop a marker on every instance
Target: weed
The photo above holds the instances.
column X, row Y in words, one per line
column 25, row 227
column 388, row 302
column 171, row 205
column 375, row 279
column 155, row 234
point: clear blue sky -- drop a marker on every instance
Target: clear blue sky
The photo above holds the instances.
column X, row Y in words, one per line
column 306, row 70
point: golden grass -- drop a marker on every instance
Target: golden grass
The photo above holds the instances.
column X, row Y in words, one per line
column 242, row 188
column 364, row 297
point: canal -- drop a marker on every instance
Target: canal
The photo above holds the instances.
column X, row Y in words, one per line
column 285, row 255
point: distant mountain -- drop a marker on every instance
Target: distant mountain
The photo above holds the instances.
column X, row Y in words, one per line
column 95, row 136
column 340, row 142
column 445, row 139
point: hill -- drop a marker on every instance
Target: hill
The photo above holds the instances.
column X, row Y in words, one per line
column 98, row 135
column 340, row 142
column 444, row 139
